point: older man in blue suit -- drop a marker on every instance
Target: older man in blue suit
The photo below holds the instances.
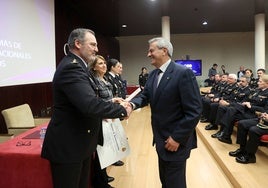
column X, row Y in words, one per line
column 174, row 97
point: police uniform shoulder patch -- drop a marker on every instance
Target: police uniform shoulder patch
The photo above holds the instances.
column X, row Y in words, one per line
column 74, row 61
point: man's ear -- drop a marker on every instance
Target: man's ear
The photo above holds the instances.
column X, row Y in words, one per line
column 165, row 50
column 77, row 44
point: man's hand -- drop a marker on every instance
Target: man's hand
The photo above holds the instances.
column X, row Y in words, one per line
column 128, row 108
column 264, row 116
column 215, row 100
column 224, row 103
column 247, row 104
column 117, row 100
column 171, row 145
column 210, row 95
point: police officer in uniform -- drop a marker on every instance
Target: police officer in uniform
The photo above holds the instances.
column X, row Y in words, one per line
column 248, row 136
column 258, row 101
column 207, row 99
column 227, row 94
column 240, row 96
column 75, row 127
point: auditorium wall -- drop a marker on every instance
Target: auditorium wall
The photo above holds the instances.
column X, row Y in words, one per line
column 229, row 49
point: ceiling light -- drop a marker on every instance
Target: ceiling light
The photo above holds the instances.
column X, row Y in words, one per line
column 124, row 25
column 204, row 23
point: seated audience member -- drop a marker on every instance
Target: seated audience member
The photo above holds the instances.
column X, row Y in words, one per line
column 214, row 88
column 240, row 96
column 227, row 94
column 210, row 81
column 249, row 132
column 217, row 88
column 258, row 101
column 208, row 94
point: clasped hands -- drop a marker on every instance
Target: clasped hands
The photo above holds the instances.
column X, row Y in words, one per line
column 125, row 104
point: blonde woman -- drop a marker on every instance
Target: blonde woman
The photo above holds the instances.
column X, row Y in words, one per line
column 98, row 68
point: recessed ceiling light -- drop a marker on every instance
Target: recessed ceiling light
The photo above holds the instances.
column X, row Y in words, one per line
column 124, row 25
column 204, row 23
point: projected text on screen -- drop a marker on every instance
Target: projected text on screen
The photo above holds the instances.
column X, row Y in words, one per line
column 27, row 42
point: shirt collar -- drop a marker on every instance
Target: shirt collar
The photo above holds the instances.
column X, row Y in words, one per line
column 163, row 67
column 111, row 73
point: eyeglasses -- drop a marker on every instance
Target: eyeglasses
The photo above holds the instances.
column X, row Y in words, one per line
column 21, row 143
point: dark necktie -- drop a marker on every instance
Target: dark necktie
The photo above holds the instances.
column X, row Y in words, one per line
column 158, row 71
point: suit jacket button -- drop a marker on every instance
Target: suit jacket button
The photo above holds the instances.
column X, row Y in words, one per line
column 88, row 131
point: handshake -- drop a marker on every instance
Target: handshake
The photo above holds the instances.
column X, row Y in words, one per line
column 125, row 103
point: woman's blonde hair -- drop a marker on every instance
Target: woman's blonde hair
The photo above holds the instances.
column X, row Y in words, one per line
column 93, row 64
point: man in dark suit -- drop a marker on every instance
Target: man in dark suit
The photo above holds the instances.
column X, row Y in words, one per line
column 75, row 127
column 176, row 107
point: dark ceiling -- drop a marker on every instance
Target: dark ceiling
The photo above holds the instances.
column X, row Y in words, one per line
column 143, row 17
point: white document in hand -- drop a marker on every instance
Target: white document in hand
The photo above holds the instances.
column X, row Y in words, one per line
column 132, row 95
column 115, row 143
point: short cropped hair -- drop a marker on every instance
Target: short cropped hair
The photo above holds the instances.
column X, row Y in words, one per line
column 163, row 43
column 263, row 70
column 247, row 78
column 78, row 34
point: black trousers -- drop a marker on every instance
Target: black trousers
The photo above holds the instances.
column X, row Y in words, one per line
column 71, row 175
column 172, row 173
column 220, row 113
column 213, row 112
column 231, row 115
column 100, row 177
column 228, row 119
column 249, row 128
column 206, row 107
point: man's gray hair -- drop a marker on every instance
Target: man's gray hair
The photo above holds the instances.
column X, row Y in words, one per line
column 233, row 76
column 78, row 34
column 163, row 43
